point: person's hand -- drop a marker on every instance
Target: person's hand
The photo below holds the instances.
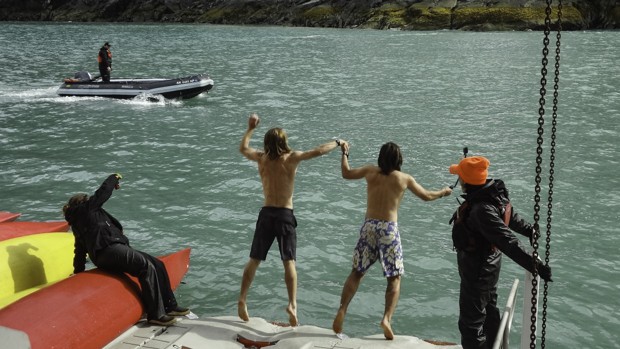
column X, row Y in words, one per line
column 544, row 271
column 446, row 191
column 344, row 146
column 253, row 121
column 119, row 177
column 532, row 236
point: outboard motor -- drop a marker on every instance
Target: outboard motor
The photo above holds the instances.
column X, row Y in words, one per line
column 83, row 76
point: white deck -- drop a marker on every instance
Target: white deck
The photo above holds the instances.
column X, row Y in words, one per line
column 221, row 333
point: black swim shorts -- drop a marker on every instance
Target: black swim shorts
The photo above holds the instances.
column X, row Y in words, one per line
column 275, row 223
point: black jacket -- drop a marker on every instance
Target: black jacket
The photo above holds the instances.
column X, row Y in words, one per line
column 93, row 227
column 486, row 219
column 105, row 59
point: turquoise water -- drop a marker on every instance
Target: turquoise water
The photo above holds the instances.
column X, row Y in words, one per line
column 185, row 183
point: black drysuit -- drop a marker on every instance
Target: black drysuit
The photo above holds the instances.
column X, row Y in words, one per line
column 101, row 236
column 480, row 264
column 105, row 63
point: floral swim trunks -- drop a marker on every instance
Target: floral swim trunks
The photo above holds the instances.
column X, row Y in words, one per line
column 380, row 240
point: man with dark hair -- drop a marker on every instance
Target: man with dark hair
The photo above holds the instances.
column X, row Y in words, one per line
column 379, row 236
column 101, row 235
column 105, row 62
column 482, row 230
column 277, row 166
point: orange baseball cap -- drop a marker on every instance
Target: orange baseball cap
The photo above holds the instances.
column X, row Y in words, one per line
column 472, row 170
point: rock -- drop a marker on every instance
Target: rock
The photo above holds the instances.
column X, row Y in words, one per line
column 378, row 14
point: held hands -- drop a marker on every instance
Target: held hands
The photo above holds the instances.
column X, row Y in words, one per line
column 253, row 121
column 344, row 146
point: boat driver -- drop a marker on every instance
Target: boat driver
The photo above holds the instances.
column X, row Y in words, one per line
column 105, row 62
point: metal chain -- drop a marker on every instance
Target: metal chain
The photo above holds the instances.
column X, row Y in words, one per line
column 554, row 123
column 539, row 151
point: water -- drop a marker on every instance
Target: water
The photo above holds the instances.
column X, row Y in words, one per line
column 185, row 183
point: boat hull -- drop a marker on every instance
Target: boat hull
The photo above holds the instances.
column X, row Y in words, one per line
column 181, row 88
column 6, row 216
column 86, row 310
column 10, row 230
column 33, row 261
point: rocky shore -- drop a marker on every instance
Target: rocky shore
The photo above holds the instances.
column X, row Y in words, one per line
column 479, row 15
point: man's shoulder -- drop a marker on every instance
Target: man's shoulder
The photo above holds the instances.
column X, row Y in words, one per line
column 293, row 155
column 370, row 170
column 402, row 175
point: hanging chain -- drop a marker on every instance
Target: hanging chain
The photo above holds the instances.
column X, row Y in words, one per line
column 554, row 123
column 539, row 151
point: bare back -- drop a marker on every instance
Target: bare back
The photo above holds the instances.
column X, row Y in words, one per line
column 278, row 175
column 384, row 193
column 278, row 178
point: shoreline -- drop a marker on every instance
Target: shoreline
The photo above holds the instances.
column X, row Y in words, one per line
column 472, row 15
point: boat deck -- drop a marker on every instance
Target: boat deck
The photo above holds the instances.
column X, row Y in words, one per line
column 223, row 332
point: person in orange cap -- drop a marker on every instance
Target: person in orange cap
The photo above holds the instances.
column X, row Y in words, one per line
column 482, row 231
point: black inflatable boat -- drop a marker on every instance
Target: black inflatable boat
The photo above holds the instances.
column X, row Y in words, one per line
column 84, row 85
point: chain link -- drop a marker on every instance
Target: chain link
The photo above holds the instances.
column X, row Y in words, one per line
column 554, row 123
column 538, row 180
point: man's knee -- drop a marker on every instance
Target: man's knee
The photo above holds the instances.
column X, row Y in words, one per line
column 393, row 283
column 357, row 274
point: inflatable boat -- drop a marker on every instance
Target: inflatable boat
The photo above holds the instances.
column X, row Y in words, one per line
column 10, row 230
column 86, row 311
column 84, row 85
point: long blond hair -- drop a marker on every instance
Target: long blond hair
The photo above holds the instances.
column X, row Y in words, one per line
column 276, row 143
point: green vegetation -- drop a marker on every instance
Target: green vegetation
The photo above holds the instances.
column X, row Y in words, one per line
column 387, row 16
column 419, row 17
column 319, row 13
column 507, row 17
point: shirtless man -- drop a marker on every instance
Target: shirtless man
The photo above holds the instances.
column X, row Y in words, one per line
column 379, row 236
column 277, row 165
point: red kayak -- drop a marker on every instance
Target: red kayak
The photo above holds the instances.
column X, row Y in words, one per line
column 9, row 230
column 87, row 310
column 8, row 216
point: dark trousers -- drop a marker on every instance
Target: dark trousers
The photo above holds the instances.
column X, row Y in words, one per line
column 156, row 294
column 479, row 317
column 105, row 74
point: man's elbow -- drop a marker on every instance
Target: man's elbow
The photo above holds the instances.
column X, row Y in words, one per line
column 426, row 196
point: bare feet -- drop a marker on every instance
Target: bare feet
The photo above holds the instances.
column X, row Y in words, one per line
column 338, row 321
column 292, row 315
column 242, row 310
column 387, row 329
